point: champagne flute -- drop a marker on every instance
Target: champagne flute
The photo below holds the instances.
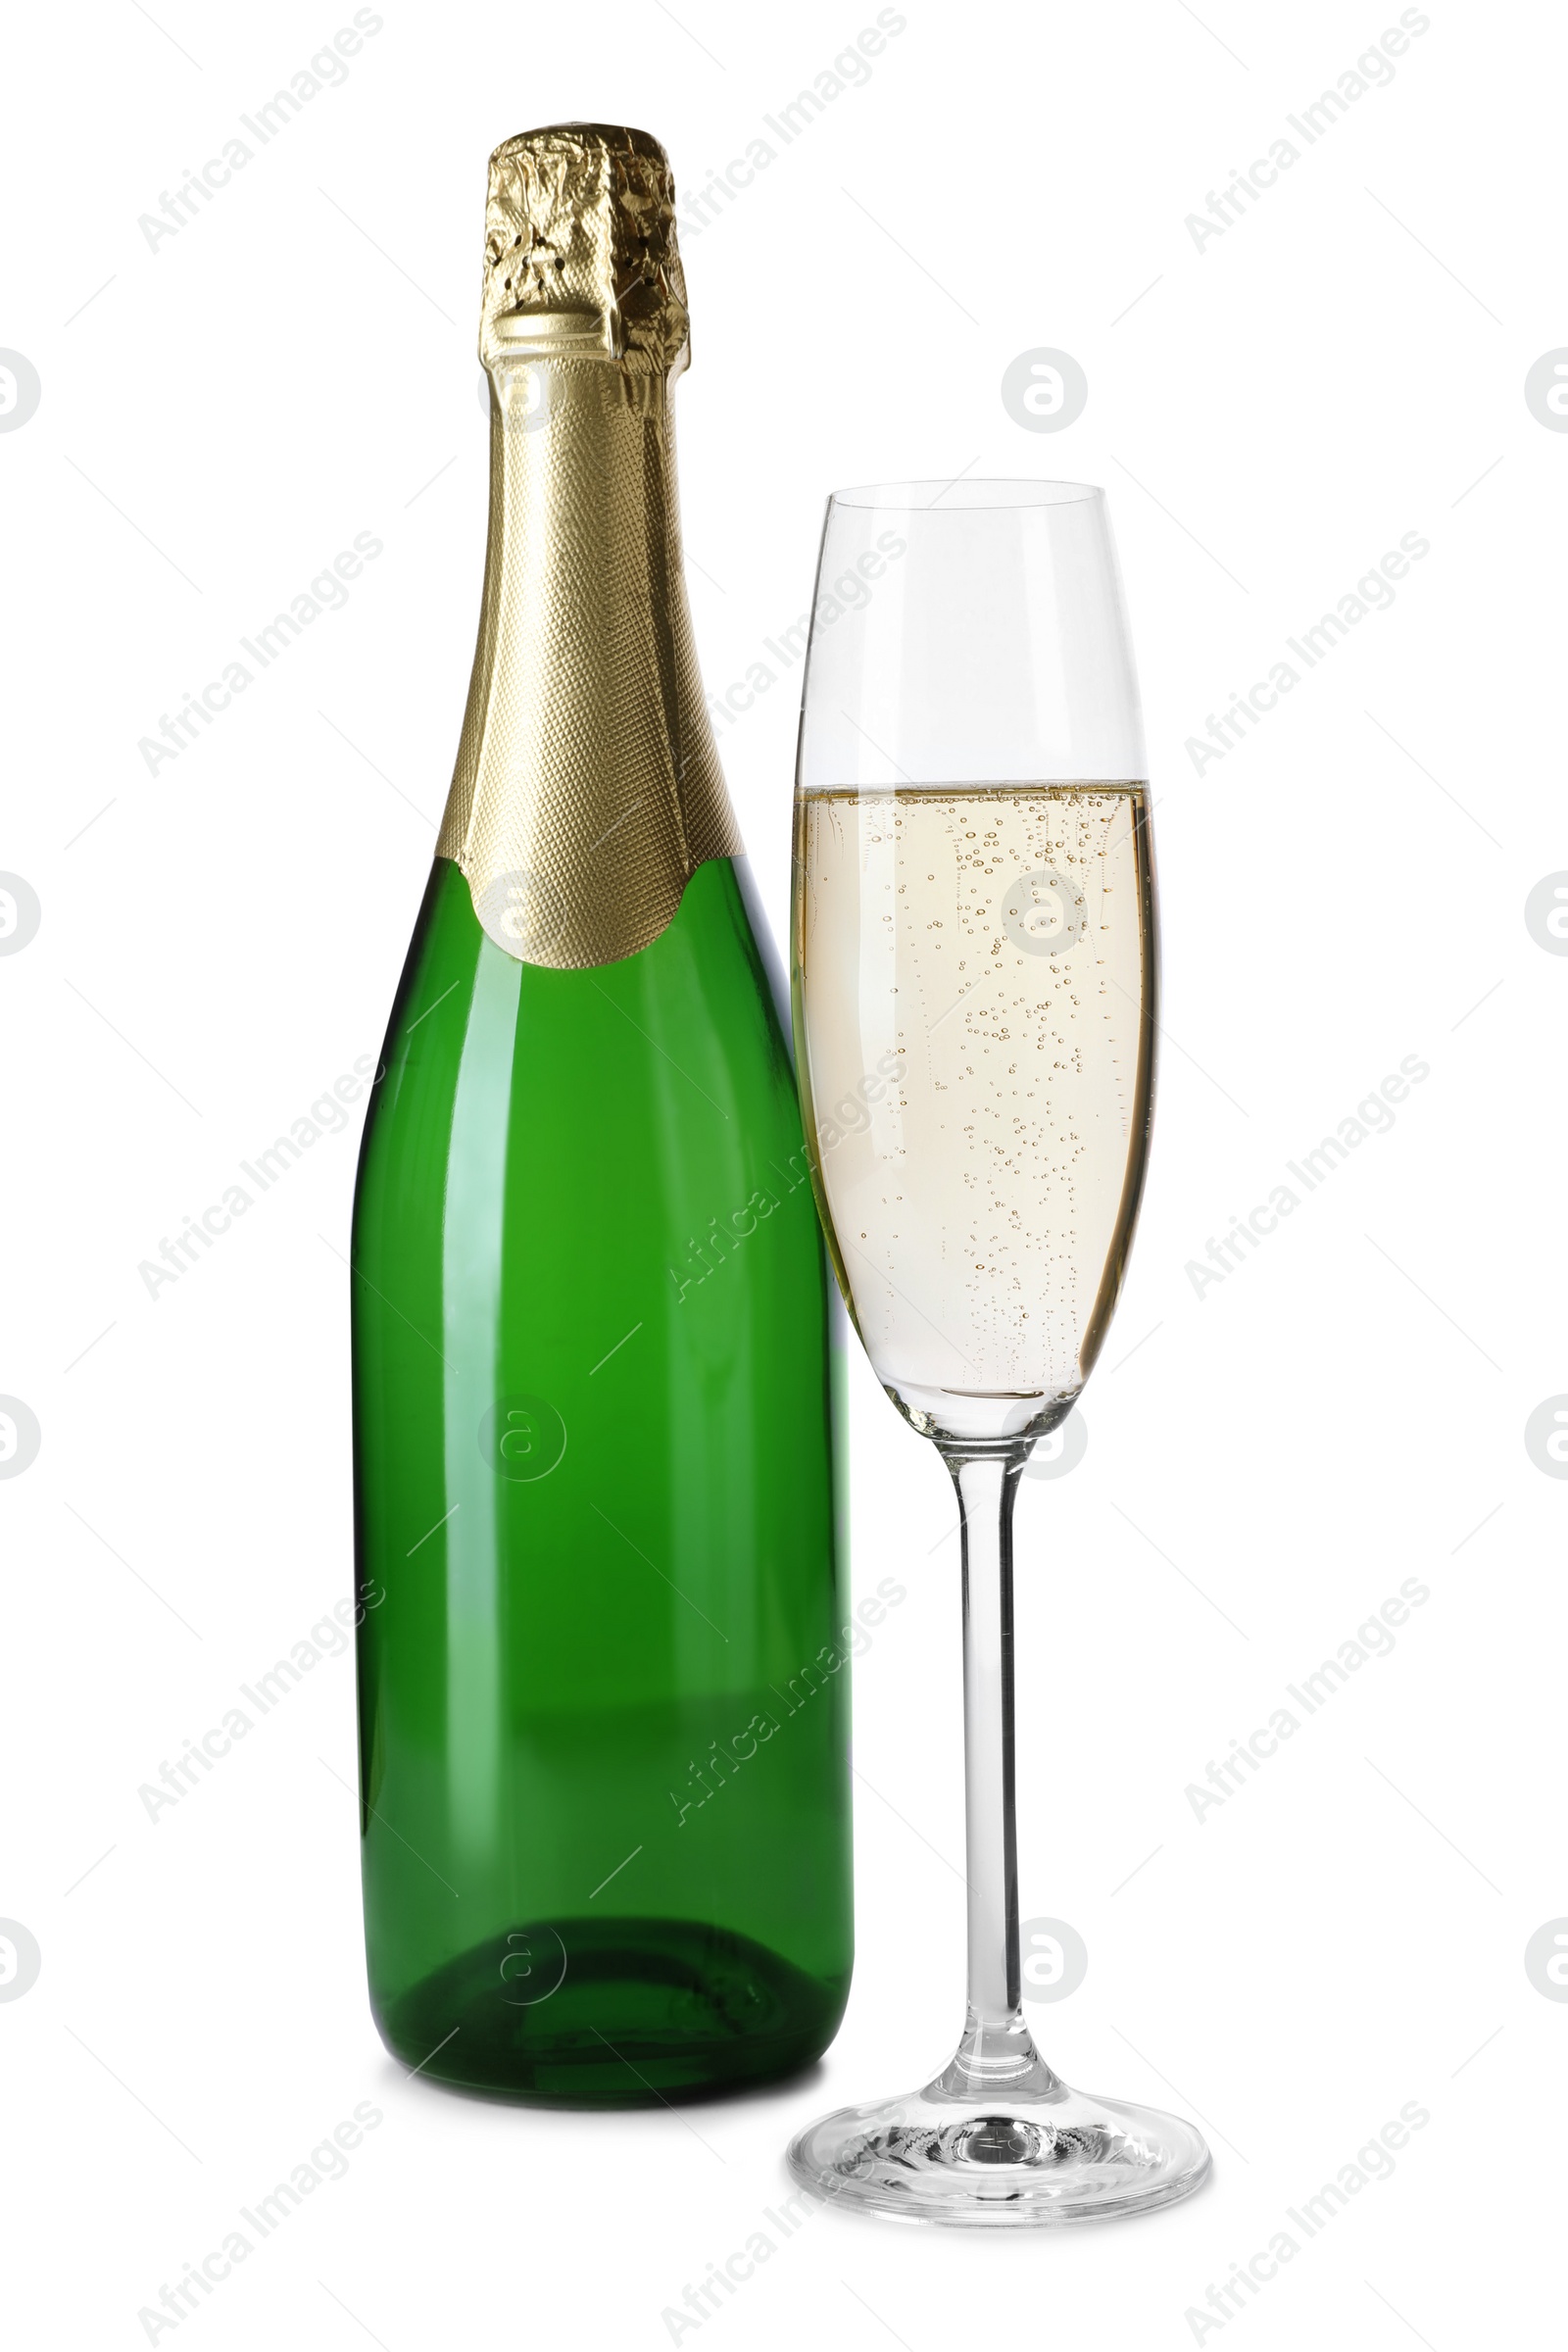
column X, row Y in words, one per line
column 974, row 975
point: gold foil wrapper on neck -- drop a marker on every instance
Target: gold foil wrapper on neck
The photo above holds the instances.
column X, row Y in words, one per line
column 588, row 786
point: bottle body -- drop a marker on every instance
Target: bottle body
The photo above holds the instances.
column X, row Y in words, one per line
column 602, row 1666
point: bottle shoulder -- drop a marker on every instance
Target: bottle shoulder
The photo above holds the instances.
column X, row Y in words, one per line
column 685, row 1035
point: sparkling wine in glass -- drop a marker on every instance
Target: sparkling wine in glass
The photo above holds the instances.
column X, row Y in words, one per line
column 974, row 978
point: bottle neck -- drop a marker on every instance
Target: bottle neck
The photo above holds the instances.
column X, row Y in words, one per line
column 587, row 786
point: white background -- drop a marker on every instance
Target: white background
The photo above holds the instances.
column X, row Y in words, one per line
column 1345, row 364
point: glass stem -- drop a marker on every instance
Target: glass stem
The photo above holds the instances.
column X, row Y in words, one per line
column 997, row 2052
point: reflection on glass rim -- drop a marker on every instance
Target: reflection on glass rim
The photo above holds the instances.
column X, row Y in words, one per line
column 956, row 497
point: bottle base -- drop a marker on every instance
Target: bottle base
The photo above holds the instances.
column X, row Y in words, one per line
column 613, row 2013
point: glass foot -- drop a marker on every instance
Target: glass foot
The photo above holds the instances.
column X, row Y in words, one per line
column 1023, row 2155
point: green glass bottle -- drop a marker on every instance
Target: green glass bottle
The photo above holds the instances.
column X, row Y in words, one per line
column 602, row 1653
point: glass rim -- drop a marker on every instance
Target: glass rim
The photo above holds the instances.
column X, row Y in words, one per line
column 958, row 496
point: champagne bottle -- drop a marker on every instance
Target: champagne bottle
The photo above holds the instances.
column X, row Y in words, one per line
column 602, row 1651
